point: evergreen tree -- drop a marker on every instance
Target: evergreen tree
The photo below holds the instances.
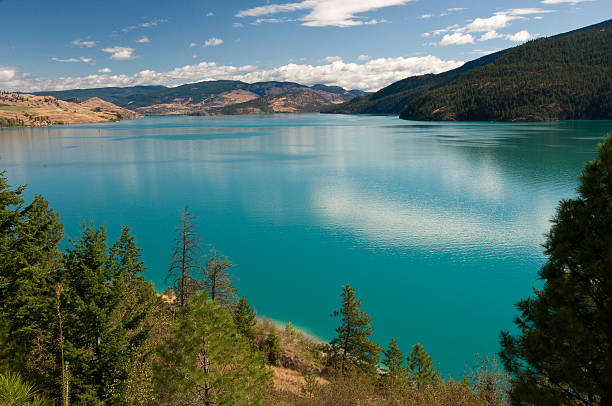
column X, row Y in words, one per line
column 205, row 362
column 29, row 265
column 217, row 281
column 185, row 264
column 397, row 373
column 244, row 317
column 353, row 347
column 563, row 354
column 421, row 370
column 272, row 348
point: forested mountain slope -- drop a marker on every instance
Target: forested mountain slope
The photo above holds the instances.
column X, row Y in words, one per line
column 566, row 77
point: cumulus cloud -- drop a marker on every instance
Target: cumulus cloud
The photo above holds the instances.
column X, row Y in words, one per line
column 84, row 44
column 213, row 42
column 193, row 44
column 72, row 60
column 331, row 59
column 363, row 57
column 143, row 40
column 210, row 14
column 105, row 70
column 490, row 35
column 120, row 53
column 370, row 76
column 7, row 73
column 459, row 35
column 520, row 36
column 457, row 38
column 424, row 16
column 323, row 13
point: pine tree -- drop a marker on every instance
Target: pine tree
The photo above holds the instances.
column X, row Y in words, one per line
column 185, row 265
column 353, row 347
column 272, row 348
column 397, row 373
column 421, row 370
column 563, row 352
column 217, row 281
column 29, row 265
column 205, row 362
column 244, row 317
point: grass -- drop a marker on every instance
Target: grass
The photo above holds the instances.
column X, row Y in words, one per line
column 8, row 107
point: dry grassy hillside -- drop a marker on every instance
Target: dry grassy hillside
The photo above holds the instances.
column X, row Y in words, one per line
column 40, row 111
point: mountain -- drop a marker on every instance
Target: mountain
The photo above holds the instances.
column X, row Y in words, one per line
column 302, row 101
column 393, row 98
column 37, row 111
column 116, row 95
column 565, row 77
column 197, row 97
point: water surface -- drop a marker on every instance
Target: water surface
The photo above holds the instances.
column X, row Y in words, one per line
column 438, row 226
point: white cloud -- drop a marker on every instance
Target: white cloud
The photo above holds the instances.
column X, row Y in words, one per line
column 520, row 36
column 72, row 60
column 562, row 1
column 426, row 16
column 490, row 35
column 457, row 38
column 322, row 13
column 525, row 11
column 426, row 34
column 371, row 75
column 210, row 14
column 485, row 52
column 331, row 59
column 213, row 42
column 193, row 44
column 105, row 70
column 453, row 9
column 84, row 44
column 492, row 23
column 7, row 73
column 363, row 57
column 143, row 40
column 538, row 18
column 120, row 53
column 237, row 25
column 148, row 24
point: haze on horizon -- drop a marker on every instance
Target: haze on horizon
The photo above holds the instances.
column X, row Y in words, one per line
column 356, row 44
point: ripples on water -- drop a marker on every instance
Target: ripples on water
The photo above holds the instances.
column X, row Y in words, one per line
column 439, row 226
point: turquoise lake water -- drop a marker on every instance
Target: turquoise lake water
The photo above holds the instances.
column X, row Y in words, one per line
column 438, row 226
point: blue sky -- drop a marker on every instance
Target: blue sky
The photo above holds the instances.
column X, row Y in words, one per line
column 363, row 44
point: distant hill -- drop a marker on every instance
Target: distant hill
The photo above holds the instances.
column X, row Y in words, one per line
column 565, row 77
column 39, row 111
column 302, row 101
column 207, row 95
column 116, row 95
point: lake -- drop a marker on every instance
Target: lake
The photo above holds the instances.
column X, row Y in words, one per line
column 438, row 226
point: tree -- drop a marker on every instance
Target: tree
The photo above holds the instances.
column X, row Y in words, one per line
column 185, row 264
column 563, row 352
column 14, row 391
column 421, row 370
column 397, row 373
column 272, row 348
column 352, row 347
column 103, row 327
column 205, row 362
column 217, row 281
column 244, row 317
column 29, row 266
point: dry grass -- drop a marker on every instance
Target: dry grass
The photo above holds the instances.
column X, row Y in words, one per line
column 40, row 111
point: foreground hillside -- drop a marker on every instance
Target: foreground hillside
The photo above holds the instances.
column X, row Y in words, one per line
column 207, row 97
column 568, row 77
column 40, row 111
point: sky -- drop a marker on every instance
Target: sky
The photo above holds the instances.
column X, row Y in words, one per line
column 356, row 44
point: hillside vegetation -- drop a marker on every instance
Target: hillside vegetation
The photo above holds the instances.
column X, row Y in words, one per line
column 567, row 77
column 39, row 111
